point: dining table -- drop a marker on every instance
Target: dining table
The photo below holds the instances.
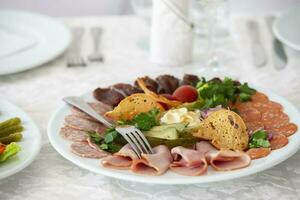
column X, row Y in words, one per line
column 39, row 92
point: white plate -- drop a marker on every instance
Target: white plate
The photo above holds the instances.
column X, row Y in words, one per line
column 49, row 38
column 287, row 28
column 30, row 143
column 277, row 156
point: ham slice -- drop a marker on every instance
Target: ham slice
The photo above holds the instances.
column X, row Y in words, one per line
column 206, row 148
column 227, row 160
column 83, row 149
column 223, row 160
column 153, row 164
column 188, row 162
column 120, row 160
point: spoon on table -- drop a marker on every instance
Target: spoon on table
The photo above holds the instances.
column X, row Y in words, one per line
column 96, row 56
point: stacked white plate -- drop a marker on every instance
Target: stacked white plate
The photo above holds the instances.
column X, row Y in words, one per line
column 29, row 40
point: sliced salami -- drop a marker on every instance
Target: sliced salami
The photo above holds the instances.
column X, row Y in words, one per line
column 92, row 144
column 83, row 124
column 287, row 130
column 256, row 153
column 255, row 125
column 250, row 115
column 265, row 107
column 83, row 149
column 259, row 97
column 278, row 141
column 275, row 119
column 73, row 134
column 99, row 107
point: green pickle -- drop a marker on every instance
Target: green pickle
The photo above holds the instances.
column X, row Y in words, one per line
column 15, row 137
column 10, row 122
column 185, row 142
column 11, row 130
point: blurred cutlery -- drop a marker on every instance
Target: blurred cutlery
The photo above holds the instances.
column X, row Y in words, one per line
column 96, row 56
column 278, row 52
column 74, row 58
column 258, row 52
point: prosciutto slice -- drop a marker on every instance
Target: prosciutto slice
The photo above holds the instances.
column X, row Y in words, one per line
column 153, row 164
column 227, row 160
column 120, row 160
column 188, row 162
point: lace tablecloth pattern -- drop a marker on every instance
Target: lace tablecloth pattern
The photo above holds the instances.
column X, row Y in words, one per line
column 39, row 92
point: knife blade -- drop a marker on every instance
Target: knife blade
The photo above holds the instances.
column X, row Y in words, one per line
column 278, row 52
column 258, row 52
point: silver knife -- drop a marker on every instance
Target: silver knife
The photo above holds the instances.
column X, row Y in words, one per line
column 278, row 51
column 258, row 52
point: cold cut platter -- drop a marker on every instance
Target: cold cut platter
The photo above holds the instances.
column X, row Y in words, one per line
column 200, row 130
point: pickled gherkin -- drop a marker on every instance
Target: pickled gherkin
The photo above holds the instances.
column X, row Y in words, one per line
column 15, row 137
column 10, row 122
column 185, row 142
column 10, row 130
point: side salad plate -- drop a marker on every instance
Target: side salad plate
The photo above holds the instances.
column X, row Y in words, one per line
column 200, row 130
column 20, row 139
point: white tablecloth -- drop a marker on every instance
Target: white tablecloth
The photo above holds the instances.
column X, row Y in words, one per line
column 39, row 92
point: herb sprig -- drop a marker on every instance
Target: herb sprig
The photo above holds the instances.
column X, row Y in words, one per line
column 112, row 141
column 222, row 92
column 259, row 139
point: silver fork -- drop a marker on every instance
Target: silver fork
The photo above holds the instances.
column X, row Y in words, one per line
column 131, row 134
column 74, row 58
column 96, row 56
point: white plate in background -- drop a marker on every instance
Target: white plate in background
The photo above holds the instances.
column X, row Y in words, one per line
column 35, row 40
column 287, row 28
column 277, row 156
column 30, row 143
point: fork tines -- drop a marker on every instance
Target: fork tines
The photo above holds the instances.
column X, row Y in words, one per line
column 76, row 62
column 136, row 139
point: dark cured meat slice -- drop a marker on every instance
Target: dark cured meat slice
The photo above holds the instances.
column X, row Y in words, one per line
column 278, row 141
column 149, row 82
column 73, row 134
column 83, row 149
column 167, row 84
column 126, row 89
column 189, row 79
column 83, row 124
column 108, row 96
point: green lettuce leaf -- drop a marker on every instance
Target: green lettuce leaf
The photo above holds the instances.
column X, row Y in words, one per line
column 10, row 150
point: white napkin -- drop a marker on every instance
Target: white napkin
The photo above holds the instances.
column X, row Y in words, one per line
column 171, row 38
column 13, row 40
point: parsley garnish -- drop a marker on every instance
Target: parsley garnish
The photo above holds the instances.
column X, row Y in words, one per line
column 143, row 121
column 112, row 141
column 222, row 92
column 259, row 139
